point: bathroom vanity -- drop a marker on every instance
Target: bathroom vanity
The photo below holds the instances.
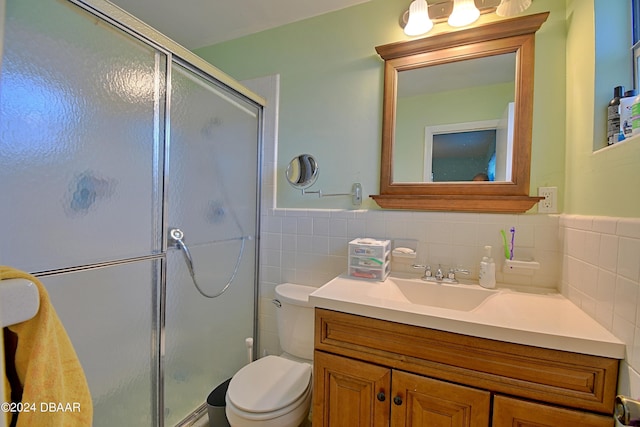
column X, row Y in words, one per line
column 383, row 361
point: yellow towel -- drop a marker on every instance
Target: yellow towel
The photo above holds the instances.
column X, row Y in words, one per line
column 55, row 389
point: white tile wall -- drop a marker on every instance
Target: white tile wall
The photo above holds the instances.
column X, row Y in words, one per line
column 601, row 275
column 594, row 261
column 309, row 247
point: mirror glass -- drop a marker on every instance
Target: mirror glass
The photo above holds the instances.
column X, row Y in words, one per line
column 454, row 121
column 302, row 171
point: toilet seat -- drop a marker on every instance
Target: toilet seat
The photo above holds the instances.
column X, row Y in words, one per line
column 296, row 411
column 269, row 385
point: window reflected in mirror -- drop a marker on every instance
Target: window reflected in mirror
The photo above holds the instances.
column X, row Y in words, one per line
column 462, row 156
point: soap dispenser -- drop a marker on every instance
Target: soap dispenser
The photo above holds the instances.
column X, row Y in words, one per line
column 487, row 277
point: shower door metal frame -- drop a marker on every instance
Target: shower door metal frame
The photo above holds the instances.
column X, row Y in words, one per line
column 174, row 53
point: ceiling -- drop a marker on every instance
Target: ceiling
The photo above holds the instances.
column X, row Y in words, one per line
column 458, row 75
column 199, row 23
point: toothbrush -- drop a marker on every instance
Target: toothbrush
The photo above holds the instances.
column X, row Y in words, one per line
column 504, row 245
column 513, row 236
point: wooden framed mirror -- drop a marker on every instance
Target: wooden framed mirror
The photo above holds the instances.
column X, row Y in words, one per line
column 407, row 179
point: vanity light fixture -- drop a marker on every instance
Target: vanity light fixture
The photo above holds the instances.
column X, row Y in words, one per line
column 464, row 13
column 418, row 22
column 512, row 7
column 423, row 14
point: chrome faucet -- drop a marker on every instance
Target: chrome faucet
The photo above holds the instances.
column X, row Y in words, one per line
column 439, row 276
column 428, row 274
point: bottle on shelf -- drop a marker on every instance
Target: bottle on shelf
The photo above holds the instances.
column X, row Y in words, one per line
column 626, row 105
column 613, row 116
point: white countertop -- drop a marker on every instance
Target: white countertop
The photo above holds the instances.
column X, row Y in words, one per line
column 541, row 320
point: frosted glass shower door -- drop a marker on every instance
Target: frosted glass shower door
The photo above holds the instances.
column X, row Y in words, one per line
column 212, row 189
column 81, row 155
column 81, row 104
column 115, row 350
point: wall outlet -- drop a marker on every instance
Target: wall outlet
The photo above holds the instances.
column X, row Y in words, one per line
column 550, row 202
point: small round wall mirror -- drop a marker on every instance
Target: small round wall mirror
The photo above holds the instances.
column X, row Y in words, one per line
column 302, row 171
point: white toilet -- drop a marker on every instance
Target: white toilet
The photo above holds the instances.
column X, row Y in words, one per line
column 275, row 391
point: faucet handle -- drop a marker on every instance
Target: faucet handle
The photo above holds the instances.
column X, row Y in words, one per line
column 461, row 270
column 427, row 270
column 451, row 275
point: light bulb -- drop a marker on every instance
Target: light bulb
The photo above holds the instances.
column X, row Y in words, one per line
column 419, row 21
column 464, row 13
column 512, row 7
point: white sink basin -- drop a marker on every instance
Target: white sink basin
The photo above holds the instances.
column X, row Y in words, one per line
column 539, row 319
column 450, row 296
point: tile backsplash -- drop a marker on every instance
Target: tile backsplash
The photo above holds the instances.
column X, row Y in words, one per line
column 309, row 247
column 593, row 261
column 601, row 275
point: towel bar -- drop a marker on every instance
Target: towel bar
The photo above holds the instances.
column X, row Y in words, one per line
column 19, row 301
column 627, row 411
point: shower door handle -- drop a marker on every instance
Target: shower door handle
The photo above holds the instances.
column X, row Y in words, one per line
column 175, row 239
column 175, row 234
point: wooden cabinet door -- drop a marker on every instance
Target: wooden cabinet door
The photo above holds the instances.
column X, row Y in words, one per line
column 424, row 402
column 350, row 393
column 509, row 412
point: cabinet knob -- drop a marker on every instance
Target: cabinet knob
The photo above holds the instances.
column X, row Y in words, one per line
column 381, row 397
column 397, row 400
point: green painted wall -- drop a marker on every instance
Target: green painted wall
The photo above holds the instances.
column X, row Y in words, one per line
column 331, row 103
column 604, row 182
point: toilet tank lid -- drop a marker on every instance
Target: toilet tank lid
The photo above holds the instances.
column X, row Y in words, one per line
column 294, row 294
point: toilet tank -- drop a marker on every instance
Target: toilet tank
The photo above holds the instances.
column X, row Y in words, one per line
column 295, row 319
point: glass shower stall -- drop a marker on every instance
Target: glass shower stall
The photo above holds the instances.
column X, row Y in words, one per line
column 129, row 175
